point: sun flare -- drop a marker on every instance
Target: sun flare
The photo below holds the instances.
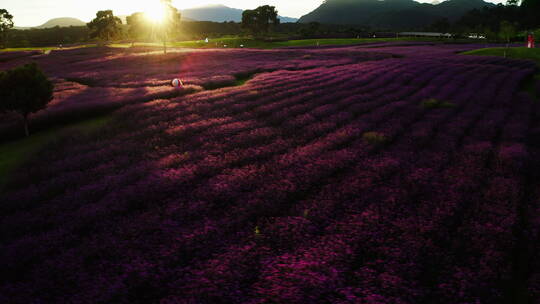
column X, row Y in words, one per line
column 155, row 13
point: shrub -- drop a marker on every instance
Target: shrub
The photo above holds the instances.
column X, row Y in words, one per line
column 25, row 90
column 434, row 103
column 375, row 138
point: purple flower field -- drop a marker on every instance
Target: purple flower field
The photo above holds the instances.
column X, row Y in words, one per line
column 90, row 81
column 380, row 174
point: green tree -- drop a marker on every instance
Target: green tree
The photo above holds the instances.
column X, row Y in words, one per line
column 530, row 3
column 25, row 90
column 105, row 26
column 311, row 30
column 491, row 17
column 507, row 31
column 166, row 28
column 138, row 26
column 489, row 34
column 259, row 20
column 6, row 23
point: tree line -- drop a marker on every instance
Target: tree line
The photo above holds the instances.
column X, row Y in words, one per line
column 259, row 23
column 498, row 23
column 502, row 22
column 106, row 26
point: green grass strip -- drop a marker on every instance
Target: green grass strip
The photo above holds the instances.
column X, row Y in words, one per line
column 513, row 52
column 13, row 154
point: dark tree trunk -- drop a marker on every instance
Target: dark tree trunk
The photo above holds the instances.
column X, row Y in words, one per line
column 25, row 121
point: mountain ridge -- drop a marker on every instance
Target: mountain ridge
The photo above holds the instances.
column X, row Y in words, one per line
column 62, row 22
column 212, row 12
column 390, row 14
column 220, row 13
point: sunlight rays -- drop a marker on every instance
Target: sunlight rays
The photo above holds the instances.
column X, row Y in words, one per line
column 155, row 12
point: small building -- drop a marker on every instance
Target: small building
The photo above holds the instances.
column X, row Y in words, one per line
column 476, row 36
column 425, row 34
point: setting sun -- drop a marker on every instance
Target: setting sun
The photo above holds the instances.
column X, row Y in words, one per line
column 156, row 12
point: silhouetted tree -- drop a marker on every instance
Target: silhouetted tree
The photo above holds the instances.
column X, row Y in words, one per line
column 105, row 26
column 492, row 17
column 524, row 15
column 138, row 26
column 489, row 34
column 259, row 20
column 167, row 27
column 48, row 36
column 531, row 13
column 507, row 31
column 441, row 25
column 312, row 29
column 25, row 90
column 6, row 23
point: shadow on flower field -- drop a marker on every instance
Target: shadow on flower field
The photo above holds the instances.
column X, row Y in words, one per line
column 95, row 80
column 400, row 174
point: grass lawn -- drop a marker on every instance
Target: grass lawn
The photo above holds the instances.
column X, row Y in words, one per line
column 44, row 48
column 252, row 43
column 514, row 52
column 14, row 153
column 246, row 43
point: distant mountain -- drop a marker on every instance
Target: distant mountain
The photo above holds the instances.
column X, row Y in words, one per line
column 124, row 18
column 220, row 13
column 216, row 13
column 390, row 14
column 455, row 9
column 62, row 22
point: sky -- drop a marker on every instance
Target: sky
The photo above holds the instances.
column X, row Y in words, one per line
column 37, row 12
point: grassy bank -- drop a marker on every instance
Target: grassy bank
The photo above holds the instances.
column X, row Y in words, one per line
column 45, row 48
column 516, row 53
column 15, row 153
column 252, row 43
column 248, row 43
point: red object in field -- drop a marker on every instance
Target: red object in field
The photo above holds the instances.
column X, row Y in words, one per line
column 530, row 41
